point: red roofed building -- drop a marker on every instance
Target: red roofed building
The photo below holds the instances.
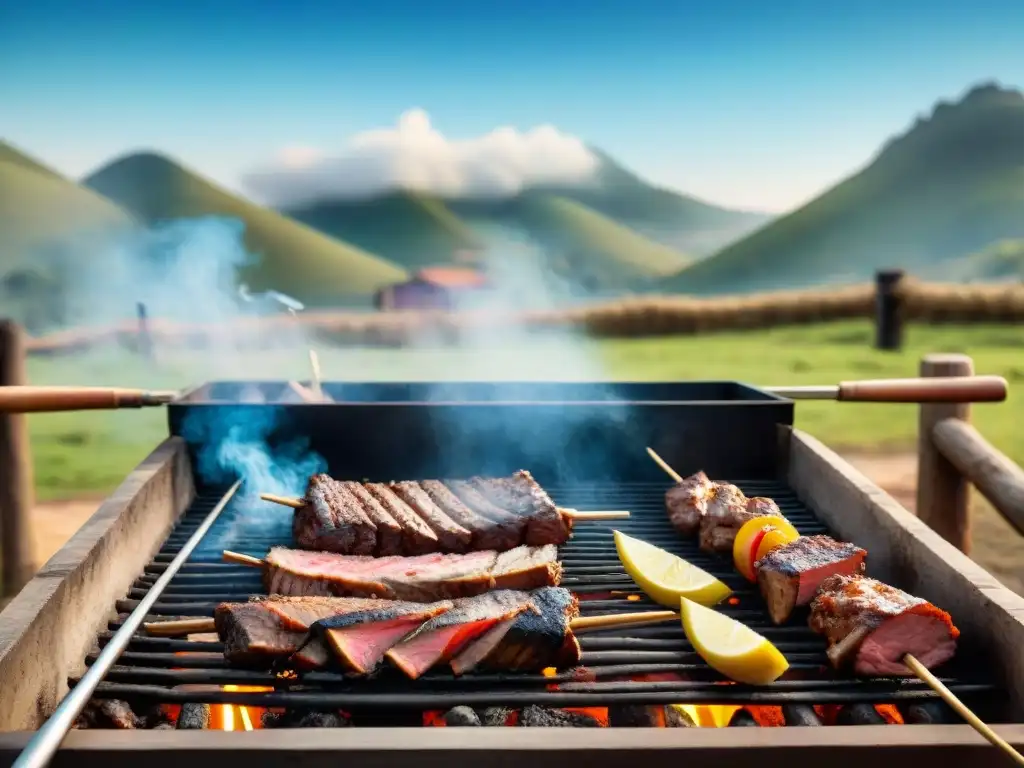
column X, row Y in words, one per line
column 443, row 288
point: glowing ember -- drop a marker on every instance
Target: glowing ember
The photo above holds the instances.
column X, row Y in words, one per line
column 235, row 717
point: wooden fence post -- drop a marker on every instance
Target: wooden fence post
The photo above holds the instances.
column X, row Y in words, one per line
column 943, row 493
column 17, row 564
column 144, row 340
column 888, row 310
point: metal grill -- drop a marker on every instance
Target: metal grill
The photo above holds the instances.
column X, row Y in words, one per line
column 615, row 662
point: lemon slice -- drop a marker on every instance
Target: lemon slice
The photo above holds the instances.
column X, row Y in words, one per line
column 731, row 648
column 666, row 578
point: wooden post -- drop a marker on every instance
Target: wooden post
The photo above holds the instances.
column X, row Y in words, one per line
column 943, row 493
column 144, row 339
column 17, row 564
column 888, row 310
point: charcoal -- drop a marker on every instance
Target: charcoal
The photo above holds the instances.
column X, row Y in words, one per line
column 677, row 717
column 194, row 717
column 742, row 719
column 636, row 716
column 273, row 719
column 461, row 716
column 541, row 717
column 109, row 714
column 859, row 714
column 495, row 717
column 153, row 716
column 322, row 720
column 800, row 714
column 928, row 713
column 163, row 727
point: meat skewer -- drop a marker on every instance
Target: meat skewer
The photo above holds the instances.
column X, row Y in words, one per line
column 426, row 578
column 860, row 617
column 506, row 630
column 416, row 517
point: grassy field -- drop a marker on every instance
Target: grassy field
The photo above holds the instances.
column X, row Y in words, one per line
column 79, row 454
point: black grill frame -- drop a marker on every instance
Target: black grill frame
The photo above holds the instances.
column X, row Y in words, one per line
column 591, row 567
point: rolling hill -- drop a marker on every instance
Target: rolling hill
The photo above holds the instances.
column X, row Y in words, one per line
column 1002, row 261
column 410, row 228
column 952, row 184
column 293, row 258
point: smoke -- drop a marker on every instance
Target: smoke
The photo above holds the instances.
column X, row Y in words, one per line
column 414, row 155
column 232, row 442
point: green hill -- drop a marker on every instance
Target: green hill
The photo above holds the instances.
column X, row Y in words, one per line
column 409, row 228
column 1002, row 261
column 953, row 184
column 8, row 154
column 293, row 257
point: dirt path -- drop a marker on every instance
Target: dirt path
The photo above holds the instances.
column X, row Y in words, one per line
column 997, row 546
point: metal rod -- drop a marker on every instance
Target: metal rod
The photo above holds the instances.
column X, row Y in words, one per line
column 813, row 392
column 47, row 740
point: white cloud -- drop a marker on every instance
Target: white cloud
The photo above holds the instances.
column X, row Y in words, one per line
column 414, row 155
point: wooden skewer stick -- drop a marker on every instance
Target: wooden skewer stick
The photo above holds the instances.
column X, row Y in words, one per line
column 664, row 465
column 585, row 624
column 238, row 557
column 961, row 709
column 912, row 663
column 179, row 627
column 574, row 514
column 314, row 363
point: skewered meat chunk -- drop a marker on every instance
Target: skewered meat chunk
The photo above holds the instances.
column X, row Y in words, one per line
column 423, row 578
column 451, row 536
column 727, row 510
column 687, row 502
column 790, row 575
column 333, row 520
column 389, row 532
column 872, row 626
column 511, row 525
column 523, row 495
column 417, row 536
column 486, row 533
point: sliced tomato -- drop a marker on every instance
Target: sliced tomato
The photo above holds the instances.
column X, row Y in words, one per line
column 772, row 539
column 749, row 571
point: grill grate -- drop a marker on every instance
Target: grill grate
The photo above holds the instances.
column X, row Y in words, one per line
column 152, row 668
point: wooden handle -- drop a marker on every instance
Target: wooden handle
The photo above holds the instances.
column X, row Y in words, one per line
column 180, row 627
column 50, row 399
column 577, row 515
column 284, row 501
column 952, row 389
column 621, row 620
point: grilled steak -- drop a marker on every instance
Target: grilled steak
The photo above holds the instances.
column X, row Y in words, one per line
column 273, row 627
column 538, row 637
column 687, row 503
column 389, row 532
column 417, row 536
column 424, row 578
column 332, row 520
column 450, row 535
column 360, row 639
column 486, row 533
column 727, row 510
column 873, row 626
column 442, row 637
column 790, row 575
column 514, row 524
column 524, row 496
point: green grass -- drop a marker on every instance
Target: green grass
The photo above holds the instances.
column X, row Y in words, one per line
column 294, row 258
column 951, row 186
column 84, row 453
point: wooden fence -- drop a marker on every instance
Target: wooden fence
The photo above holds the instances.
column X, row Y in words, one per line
column 953, row 455
column 892, row 301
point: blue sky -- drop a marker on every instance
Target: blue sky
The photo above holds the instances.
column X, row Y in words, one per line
column 749, row 104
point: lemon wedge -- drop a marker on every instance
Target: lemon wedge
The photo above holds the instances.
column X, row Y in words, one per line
column 731, row 648
column 666, row 578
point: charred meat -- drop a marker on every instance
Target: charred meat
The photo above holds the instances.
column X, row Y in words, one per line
column 333, row 520
column 871, row 626
column 687, row 503
column 790, row 575
column 424, row 578
column 727, row 510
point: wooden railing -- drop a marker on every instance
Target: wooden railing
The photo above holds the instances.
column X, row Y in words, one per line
column 952, row 456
